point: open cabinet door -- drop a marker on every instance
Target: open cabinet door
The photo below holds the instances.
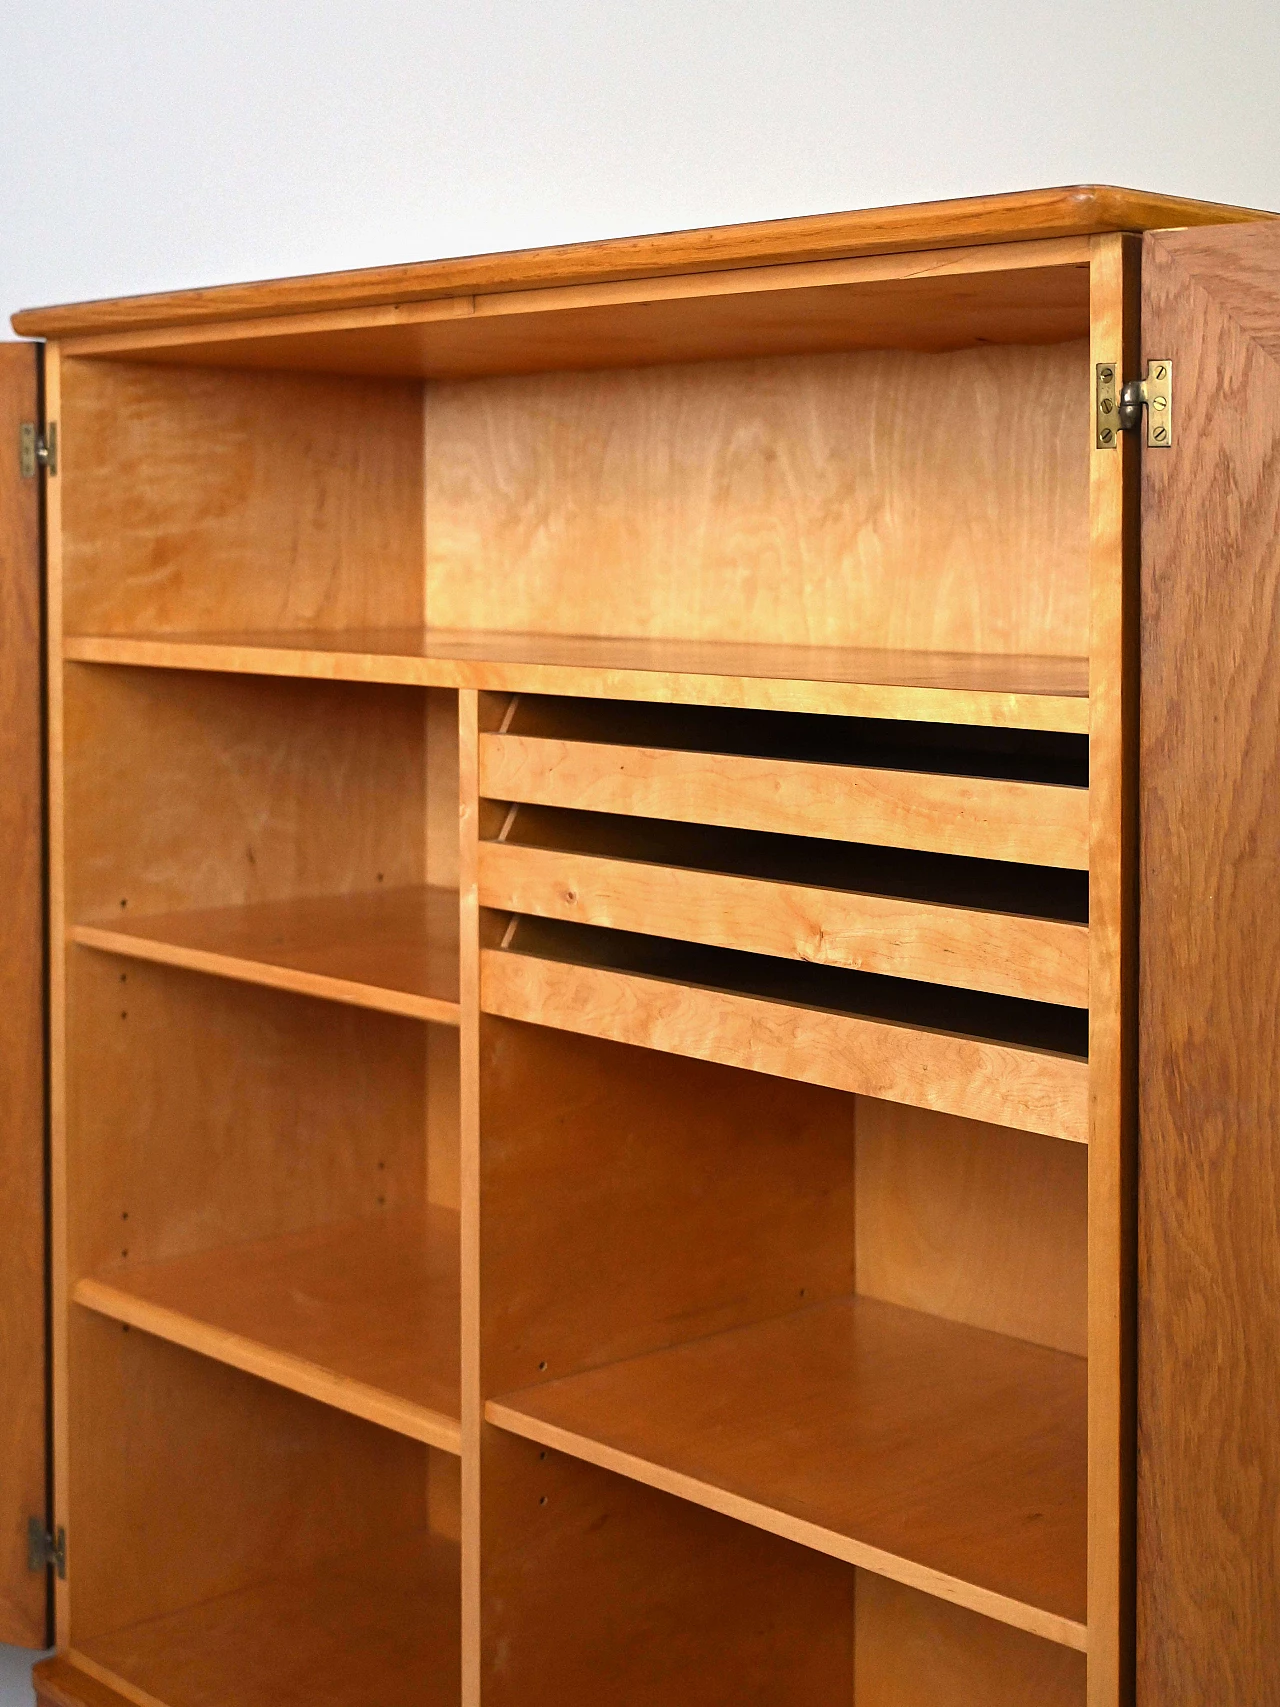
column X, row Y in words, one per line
column 24, row 1592
column 1209, row 1055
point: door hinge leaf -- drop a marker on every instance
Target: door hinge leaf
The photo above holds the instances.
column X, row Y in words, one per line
column 37, row 450
column 1118, row 408
column 44, row 1549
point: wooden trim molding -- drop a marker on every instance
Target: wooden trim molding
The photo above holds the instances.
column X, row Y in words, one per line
column 1077, row 210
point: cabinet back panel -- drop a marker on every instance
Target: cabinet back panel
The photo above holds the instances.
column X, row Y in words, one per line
column 632, row 1200
column 911, row 1650
column 190, row 1480
column 596, row 1588
column 222, row 500
column 188, row 790
column 882, row 499
column 977, row 1223
column 204, row 1112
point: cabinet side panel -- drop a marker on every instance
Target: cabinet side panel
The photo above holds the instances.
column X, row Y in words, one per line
column 912, row 1650
column 23, row 1610
column 1209, row 1373
column 1113, row 690
column 976, row 1223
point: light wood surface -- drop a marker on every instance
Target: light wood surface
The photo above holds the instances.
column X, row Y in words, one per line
column 474, row 710
column 912, row 1650
column 195, row 791
column 1025, row 214
column 378, row 1627
column 984, row 689
column 629, row 1201
column 266, row 1482
column 224, row 500
column 59, row 1193
column 1209, row 1341
column 1023, row 293
column 1010, row 1085
column 59, row 1682
column 395, row 950
column 23, row 1468
column 978, row 817
column 944, row 1457
column 206, row 1113
column 593, row 1581
column 1113, row 830
column 1043, row 959
column 973, row 1222
column 362, row 1315
column 880, row 499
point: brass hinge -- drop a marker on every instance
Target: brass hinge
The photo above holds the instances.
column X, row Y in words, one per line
column 1118, row 409
column 44, row 1549
column 37, row 450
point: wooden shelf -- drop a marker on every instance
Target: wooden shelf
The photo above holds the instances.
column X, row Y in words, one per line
column 1016, row 1084
column 363, row 1316
column 940, row 687
column 395, row 950
column 377, row 1628
column 975, row 817
column 948, row 1458
column 980, row 949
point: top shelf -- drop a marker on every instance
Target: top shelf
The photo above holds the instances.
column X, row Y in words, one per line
column 984, row 689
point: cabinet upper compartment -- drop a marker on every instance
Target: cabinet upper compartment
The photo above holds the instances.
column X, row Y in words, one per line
column 473, row 287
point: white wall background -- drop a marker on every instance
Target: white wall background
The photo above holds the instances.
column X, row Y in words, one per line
column 147, row 144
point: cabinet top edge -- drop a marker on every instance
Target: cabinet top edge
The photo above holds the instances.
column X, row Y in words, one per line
column 1070, row 211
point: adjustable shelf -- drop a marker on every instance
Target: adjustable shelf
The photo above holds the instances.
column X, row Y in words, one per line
column 949, row 1459
column 394, row 950
column 1006, row 953
column 986, row 690
column 362, row 1316
column 973, row 817
column 744, row 1010
column 380, row 1625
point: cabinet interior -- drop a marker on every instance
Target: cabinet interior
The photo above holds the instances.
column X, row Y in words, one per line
column 574, row 1046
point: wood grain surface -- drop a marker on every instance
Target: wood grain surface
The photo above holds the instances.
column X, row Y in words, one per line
column 1010, row 954
column 1209, row 1340
column 881, row 1410
column 1024, row 214
column 378, row 1626
column 1033, row 292
column 977, row 817
column 1035, row 1090
column 23, row 1613
column 880, row 499
column 1113, row 945
column 913, row 1650
column 395, row 950
column 362, row 1315
column 1000, row 691
column 597, row 1588
column 973, row 1222
column 225, row 499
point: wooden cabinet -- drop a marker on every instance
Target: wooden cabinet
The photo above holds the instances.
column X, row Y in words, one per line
column 594, row 868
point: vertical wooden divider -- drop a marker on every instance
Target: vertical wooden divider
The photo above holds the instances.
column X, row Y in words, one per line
column 1113, row 706
column 58, row 922
column 469, row 997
